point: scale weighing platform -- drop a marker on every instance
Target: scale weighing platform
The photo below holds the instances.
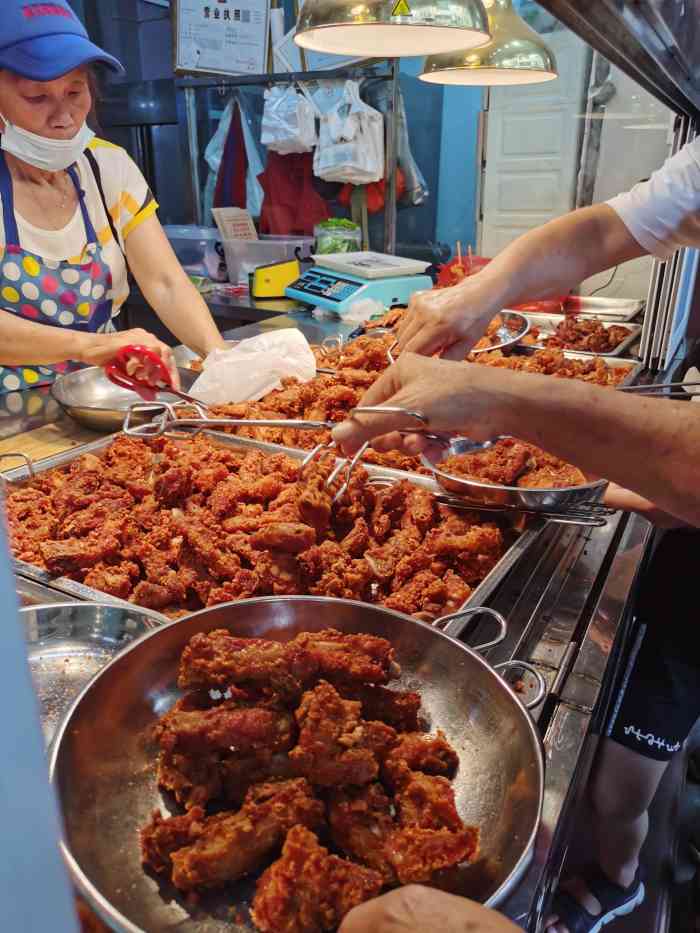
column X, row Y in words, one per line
column 338, row 280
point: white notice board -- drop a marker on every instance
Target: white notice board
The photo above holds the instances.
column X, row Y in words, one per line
column 221, row 36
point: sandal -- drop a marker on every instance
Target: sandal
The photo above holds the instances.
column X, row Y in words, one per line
column 615, row 901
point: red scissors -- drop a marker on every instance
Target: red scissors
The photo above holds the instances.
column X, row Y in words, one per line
column 142, row 371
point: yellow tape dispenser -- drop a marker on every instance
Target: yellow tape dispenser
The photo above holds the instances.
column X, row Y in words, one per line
column 270, row 281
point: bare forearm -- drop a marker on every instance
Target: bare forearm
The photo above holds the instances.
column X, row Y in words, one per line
column 651, row 446
column 552, row 259
column 184, row 312
column 25, row 343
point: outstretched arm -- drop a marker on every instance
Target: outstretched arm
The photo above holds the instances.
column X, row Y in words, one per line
column 649, row 446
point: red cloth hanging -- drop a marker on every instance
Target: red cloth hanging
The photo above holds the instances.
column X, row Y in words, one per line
column 231, row 182
column 291, row 204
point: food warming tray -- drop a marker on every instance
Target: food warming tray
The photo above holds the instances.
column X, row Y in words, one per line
column 102, row 766
column 547, row 323
column 522, row 543
column 619, row 310
column 68, row 643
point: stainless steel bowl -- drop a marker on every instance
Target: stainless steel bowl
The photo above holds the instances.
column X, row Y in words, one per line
column 538, row 500
column 90, row 398
column 103, row 769
column 514, row 327
column 68, row 643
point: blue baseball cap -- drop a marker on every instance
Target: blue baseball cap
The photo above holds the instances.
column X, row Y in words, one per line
column 43, row 41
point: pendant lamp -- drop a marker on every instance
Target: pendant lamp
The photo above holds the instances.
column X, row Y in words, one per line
column 391, row 28
column 516, row 54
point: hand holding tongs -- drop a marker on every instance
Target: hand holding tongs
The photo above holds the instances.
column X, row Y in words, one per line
column 129, row 360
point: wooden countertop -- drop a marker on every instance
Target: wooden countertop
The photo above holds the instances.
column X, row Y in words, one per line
column 45, row 441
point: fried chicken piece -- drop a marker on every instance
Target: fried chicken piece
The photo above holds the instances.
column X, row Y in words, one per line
column 417, row 854
column 425, row 593
column 501, row 464
column 350, row 658
column 550, row 476
column 397, row 708
column 224, row 728
column 427, row 802
column 245, row 583
column 361, row 821
column 284, row 536
column 315, row 504
column 309, row 891
column 218, row 659
column 232, row 845
column 78, row 554
column 329, row 570
column 337, row 747
column 163, row 836
column 117, row 580
column 418, row 751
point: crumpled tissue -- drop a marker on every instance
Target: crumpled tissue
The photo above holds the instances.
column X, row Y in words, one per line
column 358, row 313
column 254, row 367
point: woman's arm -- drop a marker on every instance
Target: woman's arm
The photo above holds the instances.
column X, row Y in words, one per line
column 650, row 446
column 168, row 290
column 546, row 261
column 26, row 343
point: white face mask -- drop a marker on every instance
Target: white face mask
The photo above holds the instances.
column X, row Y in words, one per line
column 51, row 155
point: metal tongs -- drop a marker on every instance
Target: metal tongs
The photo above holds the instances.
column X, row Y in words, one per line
column 653, row 389
column 123, row 369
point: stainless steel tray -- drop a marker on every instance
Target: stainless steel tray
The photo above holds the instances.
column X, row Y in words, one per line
column 68, row 643
column 619, row 310
column 547, row 323
column 479, row 595
column 90, row 398
column 36, row 594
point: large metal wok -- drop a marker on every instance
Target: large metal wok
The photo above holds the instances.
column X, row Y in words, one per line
column 103, row 764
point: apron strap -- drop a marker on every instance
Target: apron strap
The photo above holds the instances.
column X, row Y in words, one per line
column 8, row 204
column 89, row 228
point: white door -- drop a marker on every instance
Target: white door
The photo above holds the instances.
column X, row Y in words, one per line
column 532, row 148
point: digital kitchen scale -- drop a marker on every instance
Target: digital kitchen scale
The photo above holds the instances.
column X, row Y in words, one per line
column 338, row 280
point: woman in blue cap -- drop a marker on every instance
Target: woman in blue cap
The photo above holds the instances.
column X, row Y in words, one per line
column 77, row 213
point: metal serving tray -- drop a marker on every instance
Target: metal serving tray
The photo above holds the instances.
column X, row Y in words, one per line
column 479, row 595
column 547, row 323
column 618, row 310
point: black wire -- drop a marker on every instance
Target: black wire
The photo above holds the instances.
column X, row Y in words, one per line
column 609, row 282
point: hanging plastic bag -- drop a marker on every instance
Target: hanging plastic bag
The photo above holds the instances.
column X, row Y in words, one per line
column 351, row 141
column 289, row 121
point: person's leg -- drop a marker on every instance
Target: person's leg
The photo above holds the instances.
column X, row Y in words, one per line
column 623, row 786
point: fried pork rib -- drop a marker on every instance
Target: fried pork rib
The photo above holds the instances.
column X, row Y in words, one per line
column 308, row 890
column 397, row 708
column 336, row 747
column 417, row 854
column 222, row 728
column 361, row 823
column 418, row 751
column 220, row 659
column 211, row 851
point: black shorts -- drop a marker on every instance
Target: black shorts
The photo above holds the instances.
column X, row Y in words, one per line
column 659, row 700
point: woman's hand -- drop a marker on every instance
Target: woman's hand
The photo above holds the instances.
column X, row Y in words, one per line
column 447, row 321
column 100, row 349
column 415, row 909
column 454, row 397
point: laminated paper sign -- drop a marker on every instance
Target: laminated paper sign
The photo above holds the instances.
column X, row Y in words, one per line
column 222, row 36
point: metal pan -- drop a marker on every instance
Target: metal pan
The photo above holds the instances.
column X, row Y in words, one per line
column 547, row 323
column 517, row 550
column 68, row 643
column 620, row 310
column 104, row 775
column 90, row 398
column 560, row 501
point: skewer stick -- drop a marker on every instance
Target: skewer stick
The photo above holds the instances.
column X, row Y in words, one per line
column 459, row 252
column 469, row 254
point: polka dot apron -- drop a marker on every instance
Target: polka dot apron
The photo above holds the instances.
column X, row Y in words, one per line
column 58, row 294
